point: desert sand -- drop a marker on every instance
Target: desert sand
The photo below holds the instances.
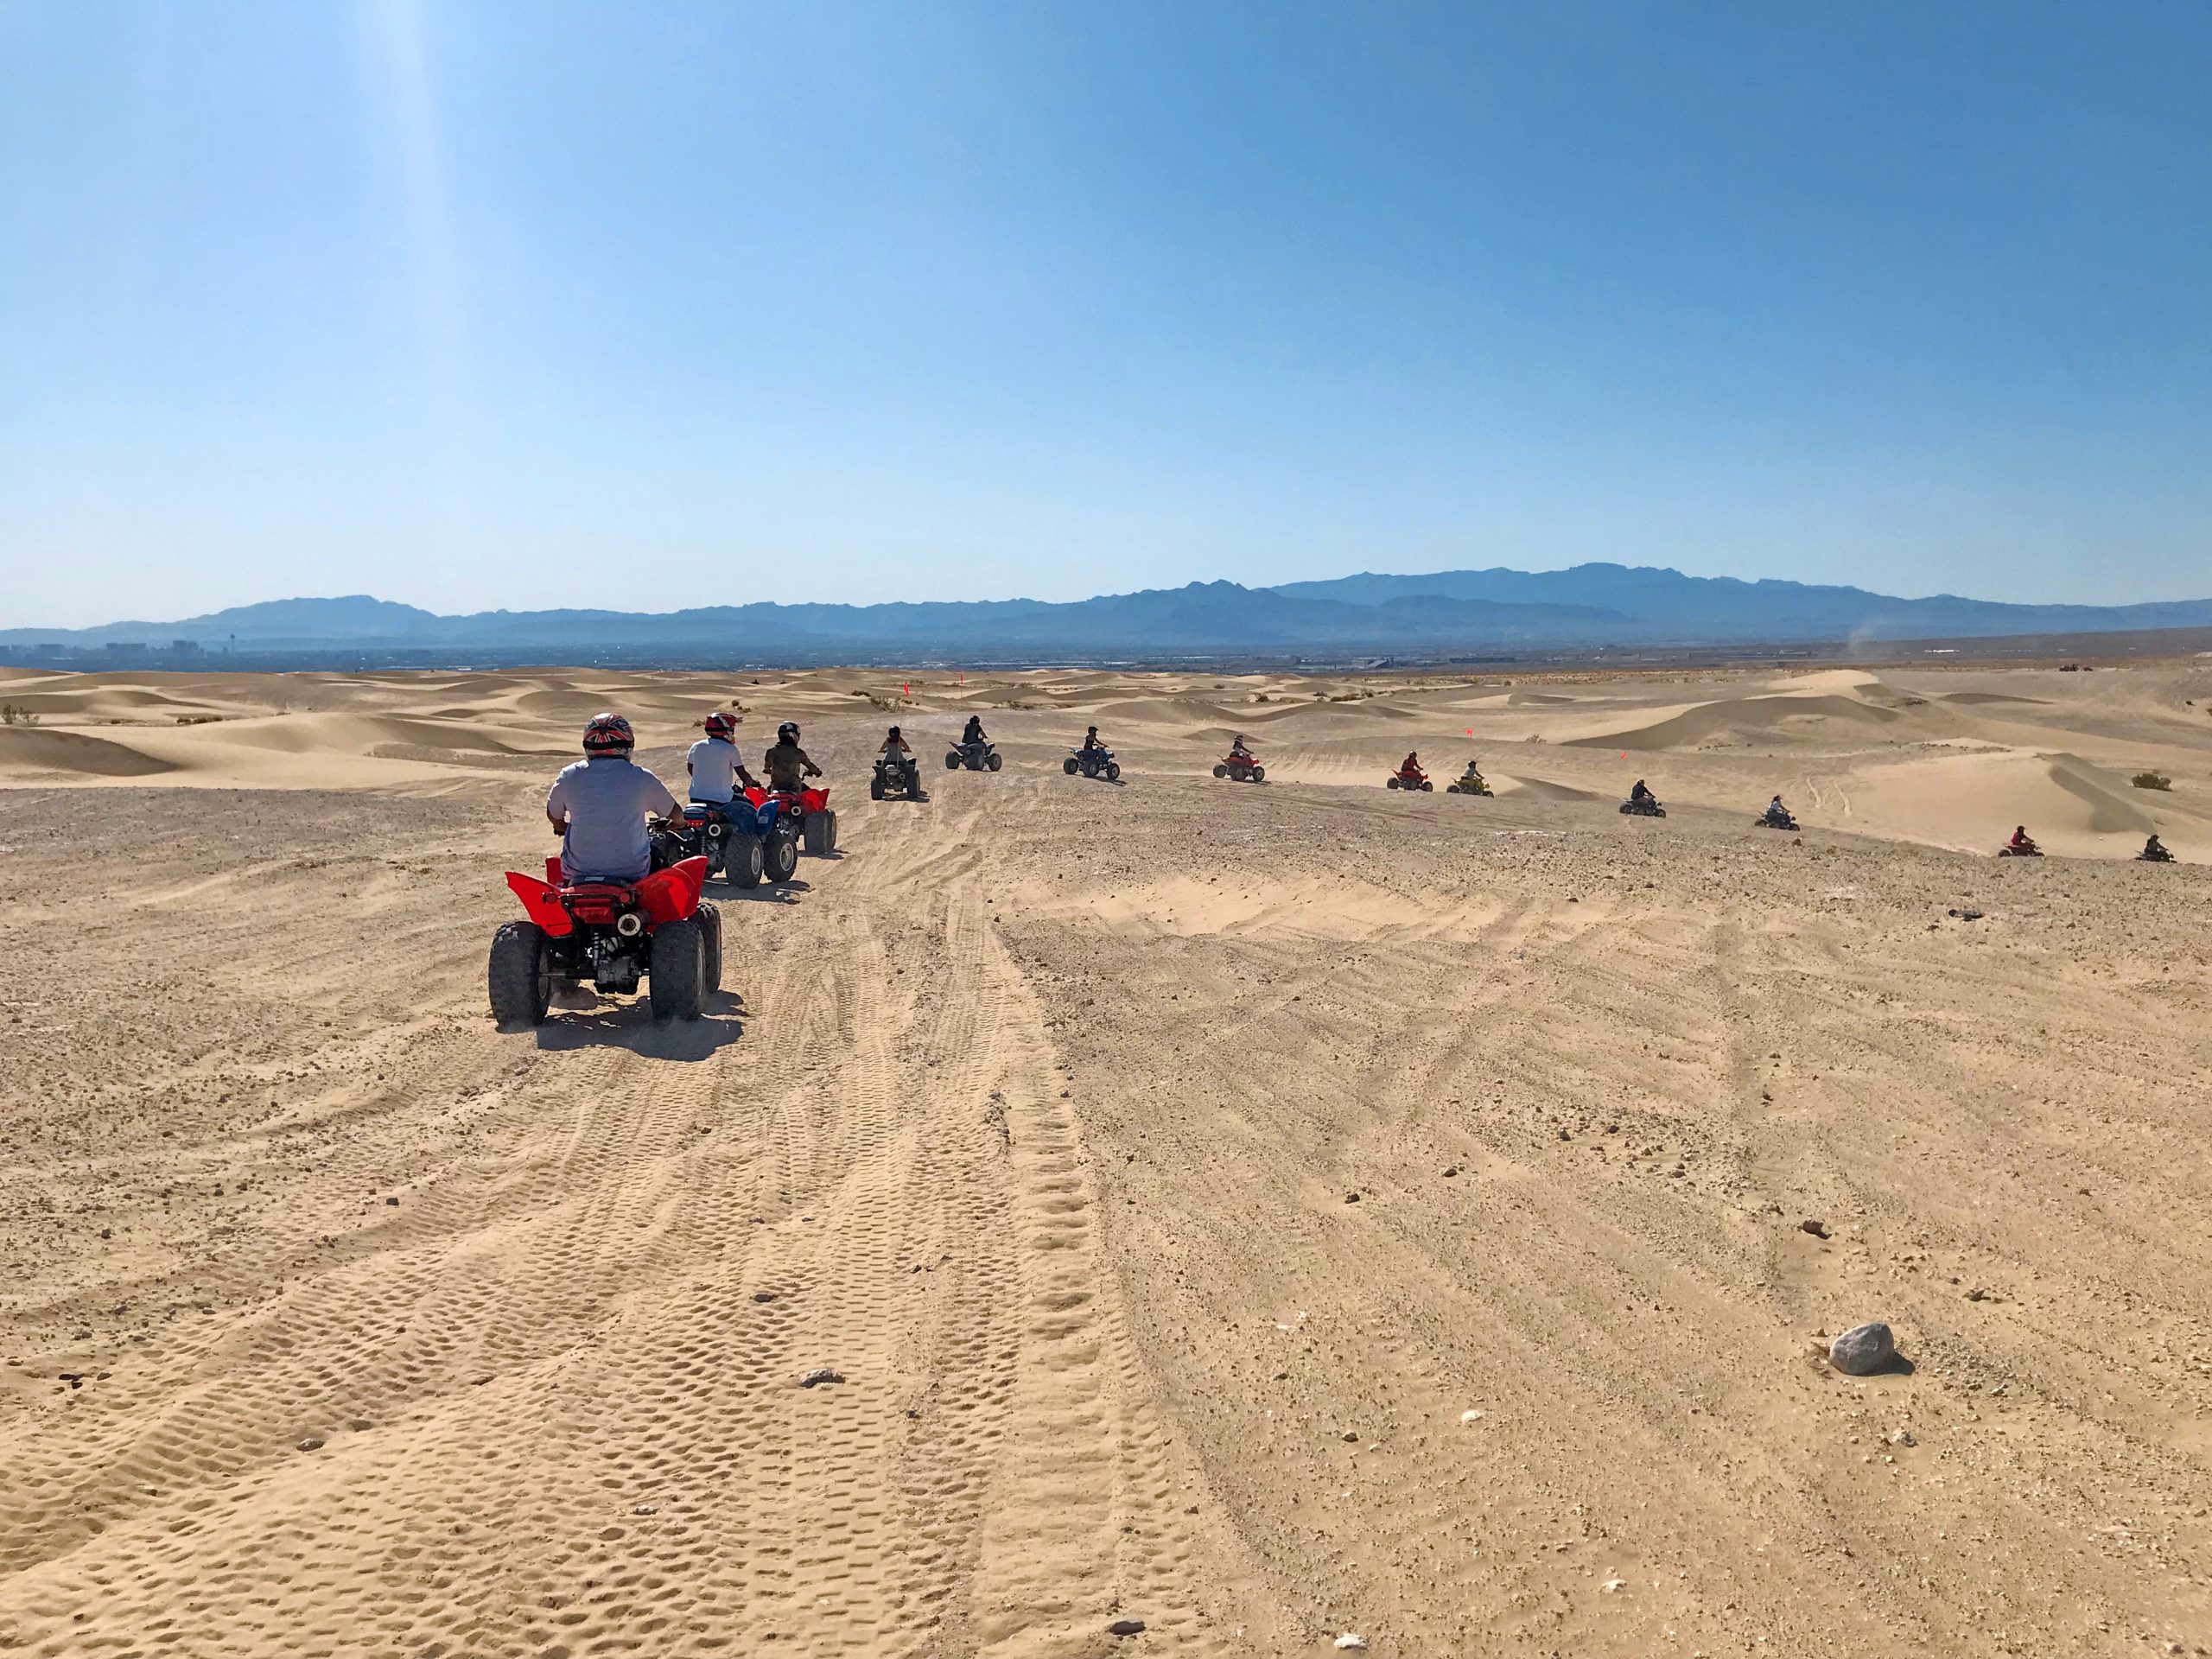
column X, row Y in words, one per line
column 1270, row 1213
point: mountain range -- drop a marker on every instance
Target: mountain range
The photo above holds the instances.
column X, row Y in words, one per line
column 1452, row 612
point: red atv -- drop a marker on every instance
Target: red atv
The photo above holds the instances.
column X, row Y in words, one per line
column 1408, row 777
column 801, row 815
column 611, row 934
column 1241, row 768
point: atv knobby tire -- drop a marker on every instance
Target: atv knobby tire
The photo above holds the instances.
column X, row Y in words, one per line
column 821, row 830
column 1258, row 774
column 992, row 760
column 1221, row 772
column 741, row 860
column 710, row 921
column 875, row 787
column 779, row 853
column 518, row 976
column 1390, row 782
column 1113, row 772
column 952, row 760
column 676, row 978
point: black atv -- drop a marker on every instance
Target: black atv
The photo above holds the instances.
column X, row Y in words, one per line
column 1771, row 819
column 976, row 757
column 897, row 777
column 1647, row 807
column 730, row 836
column 1092, row 763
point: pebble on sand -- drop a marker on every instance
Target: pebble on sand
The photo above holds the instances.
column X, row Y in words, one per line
column 1813, row 1225
column 1470, row 1416
column 312, row 1443
column 1863, row 1350
column 815, row 1379
column 1126, row 1627
column 1351, row 1643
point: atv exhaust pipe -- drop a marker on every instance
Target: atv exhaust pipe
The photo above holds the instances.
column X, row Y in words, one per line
column 629, row 923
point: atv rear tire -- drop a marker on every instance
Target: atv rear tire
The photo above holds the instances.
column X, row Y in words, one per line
column 875, row 787
column 952, row 760
column 741, row 860
column 1069, row 766
column 821, row 830
column 710, row 921
column 1221, row 772
column 518, row 976
column 779, row 856
column 678, row 971
column 1390, row 782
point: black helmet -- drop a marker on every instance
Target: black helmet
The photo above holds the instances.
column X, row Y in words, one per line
column 1093, row 730
column 788, row 731
column 894, row 731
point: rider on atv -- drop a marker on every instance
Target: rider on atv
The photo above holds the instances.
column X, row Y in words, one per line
column 2022, row 842
column 1236, row 749
column 1090, row 744
column 2154, row 850
column 1412, row 767
column 785, row 763
column 1640, row 794
column 894, row 745
column 713, row 763
column 1474, row 771
column 599, row 807
column 973, row 732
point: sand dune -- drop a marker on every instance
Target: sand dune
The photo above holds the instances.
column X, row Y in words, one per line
column 27, row 753
column 1739, row 718
column 1263, row 1212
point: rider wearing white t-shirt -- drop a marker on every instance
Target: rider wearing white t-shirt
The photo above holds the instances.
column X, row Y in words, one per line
column 715, row 765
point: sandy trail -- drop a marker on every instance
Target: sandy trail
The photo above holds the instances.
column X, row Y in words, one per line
column 1098, row 1137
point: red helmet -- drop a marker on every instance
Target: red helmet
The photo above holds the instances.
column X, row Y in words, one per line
column 719, row 724
column 608, row 734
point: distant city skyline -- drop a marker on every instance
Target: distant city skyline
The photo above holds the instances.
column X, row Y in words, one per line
column 472, row 307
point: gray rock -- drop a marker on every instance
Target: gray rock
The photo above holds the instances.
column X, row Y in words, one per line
column 1126, row 1627
column 1863, row 1350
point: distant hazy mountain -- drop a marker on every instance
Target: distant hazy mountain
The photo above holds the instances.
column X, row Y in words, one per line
column 1695, row 610
column 1451, row 611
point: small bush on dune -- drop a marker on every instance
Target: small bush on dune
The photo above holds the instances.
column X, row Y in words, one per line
column 15, row 715
column 2152, row 780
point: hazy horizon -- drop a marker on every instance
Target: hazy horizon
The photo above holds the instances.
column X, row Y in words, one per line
column 473, row 310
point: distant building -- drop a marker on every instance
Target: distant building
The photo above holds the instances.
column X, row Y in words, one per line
column 125, row 648
column 184, row 648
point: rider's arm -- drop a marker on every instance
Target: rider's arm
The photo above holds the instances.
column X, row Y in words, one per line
column 557, row 808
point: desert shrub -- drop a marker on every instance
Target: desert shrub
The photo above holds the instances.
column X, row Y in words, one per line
column 2152, row 780
column 14, row 714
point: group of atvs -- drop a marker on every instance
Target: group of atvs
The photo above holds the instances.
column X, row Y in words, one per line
column 655, row 928
column 1410, row 776
column 613, row 933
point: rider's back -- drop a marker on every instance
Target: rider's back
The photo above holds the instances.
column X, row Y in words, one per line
column 604, row 800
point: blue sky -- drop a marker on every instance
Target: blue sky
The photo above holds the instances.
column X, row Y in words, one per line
column 482, row 305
